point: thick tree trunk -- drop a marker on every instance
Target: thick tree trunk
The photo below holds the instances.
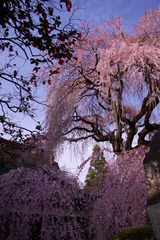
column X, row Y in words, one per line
column 152, row 171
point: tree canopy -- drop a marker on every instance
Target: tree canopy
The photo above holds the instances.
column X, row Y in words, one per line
column 32, row 35
column 40, row 202
column 44, row 205
column 122, row 200
column 110, row 90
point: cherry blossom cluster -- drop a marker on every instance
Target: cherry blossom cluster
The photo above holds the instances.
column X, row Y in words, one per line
column 122, row 200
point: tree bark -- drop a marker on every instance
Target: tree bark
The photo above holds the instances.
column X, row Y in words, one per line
column 152, row 171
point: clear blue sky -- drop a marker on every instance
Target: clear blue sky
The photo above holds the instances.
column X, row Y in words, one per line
column 129, row 10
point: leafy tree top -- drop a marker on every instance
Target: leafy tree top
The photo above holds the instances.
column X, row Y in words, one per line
column 97, row 169
column 32, row 35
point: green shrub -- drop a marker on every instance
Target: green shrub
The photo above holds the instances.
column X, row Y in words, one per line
column 136, row 233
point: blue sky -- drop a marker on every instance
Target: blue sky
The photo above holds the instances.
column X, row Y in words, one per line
column 129, row 10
